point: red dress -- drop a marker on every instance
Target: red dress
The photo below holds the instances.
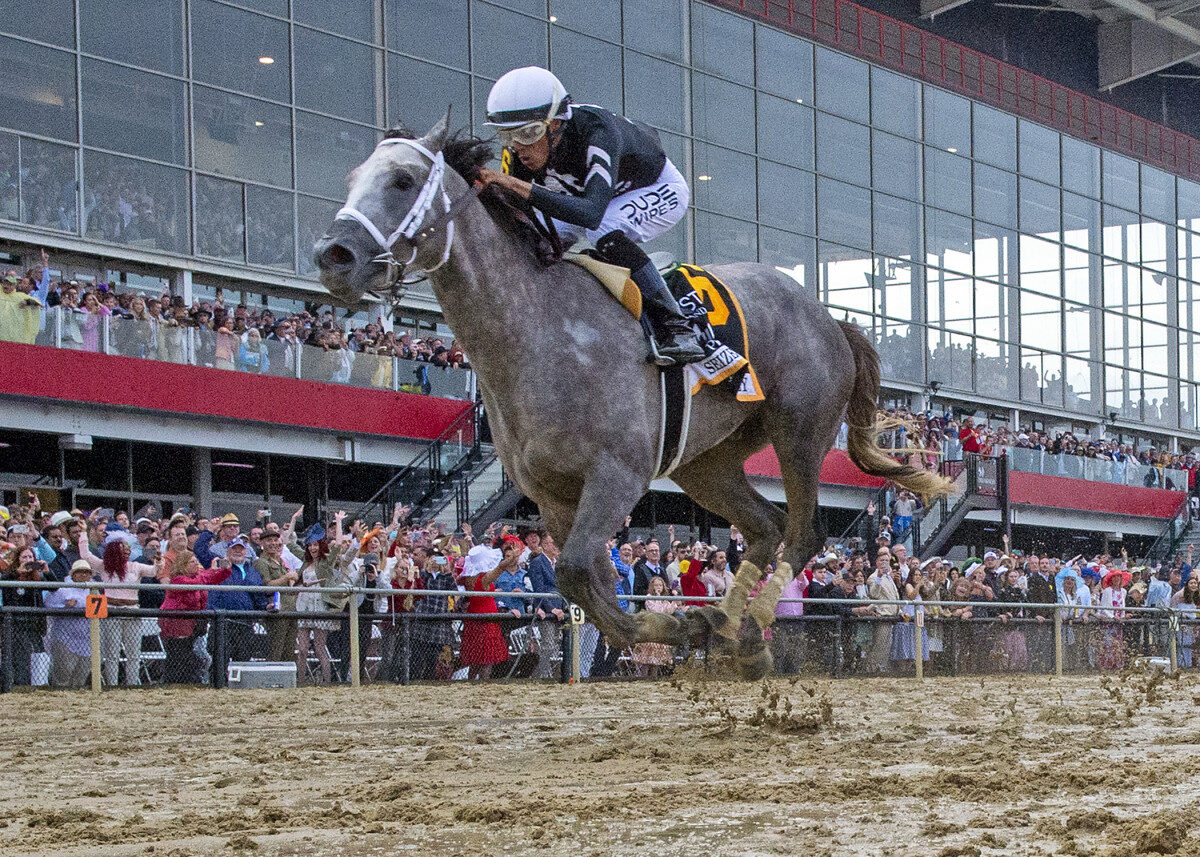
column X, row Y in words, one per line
column 482, row 642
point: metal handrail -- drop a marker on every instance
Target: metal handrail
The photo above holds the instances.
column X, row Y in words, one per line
column 912, row 50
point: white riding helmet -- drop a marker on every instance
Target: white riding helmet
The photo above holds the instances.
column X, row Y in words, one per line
column 525, row 95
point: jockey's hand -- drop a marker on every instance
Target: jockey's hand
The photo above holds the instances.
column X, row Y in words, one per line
column 510, row 183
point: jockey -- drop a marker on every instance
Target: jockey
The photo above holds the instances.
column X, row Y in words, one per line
column 598, row 176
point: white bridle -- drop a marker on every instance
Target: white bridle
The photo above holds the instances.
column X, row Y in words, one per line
column 411, row 223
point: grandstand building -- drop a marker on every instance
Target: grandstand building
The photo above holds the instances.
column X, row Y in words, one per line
column 1007, row 196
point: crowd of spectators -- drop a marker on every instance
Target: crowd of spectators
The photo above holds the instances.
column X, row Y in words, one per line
column 481, row 627
column 215, row 333
column 924, row 439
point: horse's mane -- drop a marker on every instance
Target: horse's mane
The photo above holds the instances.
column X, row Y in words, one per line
column 467, row 154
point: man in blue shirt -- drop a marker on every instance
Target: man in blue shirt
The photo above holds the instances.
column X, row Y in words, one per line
column 549, row 611
column 240, row 639
column 511, row 581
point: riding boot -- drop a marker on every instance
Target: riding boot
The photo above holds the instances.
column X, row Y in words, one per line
column 674, row 336
column 674, row 339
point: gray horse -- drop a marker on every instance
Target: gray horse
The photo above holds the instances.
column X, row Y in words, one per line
column 575, row 408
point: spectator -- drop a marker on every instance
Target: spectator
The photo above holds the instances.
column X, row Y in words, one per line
column 28, row 629
column 180, row 635
column 117, row 633
column 318, row 562
column 646, row 568
column 239, row 633
column 650, row 658
column 482, row 643
column 253, row 355
column 1011, row 652
column 70, row 636
column 717, row 577
column 1188, row 604
column 881, row 587
column 20, row 313
column 281, row 630
column 432, row 641
column 549, row 611
column 1041, row 590
column 226, row 528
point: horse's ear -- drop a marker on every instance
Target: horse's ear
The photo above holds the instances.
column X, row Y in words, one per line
column 436, row 138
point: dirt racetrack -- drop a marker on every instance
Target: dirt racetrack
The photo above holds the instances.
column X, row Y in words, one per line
column 1011, row 765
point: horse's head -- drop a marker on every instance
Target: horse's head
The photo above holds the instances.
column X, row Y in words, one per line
column 395, row 196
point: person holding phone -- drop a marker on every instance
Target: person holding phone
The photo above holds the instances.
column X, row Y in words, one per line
column 28, row 629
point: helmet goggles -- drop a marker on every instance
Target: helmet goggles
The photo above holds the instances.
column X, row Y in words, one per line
column 523, row 135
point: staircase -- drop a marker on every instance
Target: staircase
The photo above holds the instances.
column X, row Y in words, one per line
column 1177, row 533
column 980, row 482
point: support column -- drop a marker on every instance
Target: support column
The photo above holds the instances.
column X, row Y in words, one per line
column 202, row 481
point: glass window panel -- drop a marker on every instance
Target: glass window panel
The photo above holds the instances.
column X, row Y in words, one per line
column 1158, row 194
column 785, row 131
column 1081, row 222
column 1154, row 245
column 794, row 255
column 1080, row 167
column 1117, row 392
column 895, row 280
column 220, row 223
column 785, row 65
column 948, row 300
column 353, row 18
column 1120, row 180
column 1079, row 331
column 1154, row 347
column 1156, row 408
column 1122, row 287
column 529, row 7
column 949, row 359
column 1039, row 152
column 899, row 347
column 1040, row 209
column 314, row 216
column 723, row 43
column 48, row 185
column 656, row 92
column 279, row 8
column 1080, row 386
column 326, row 151
column 947, row 181
column 140, row 32
column 995, row 196
column 39, row 89
column 45, row 20
column 673, row 241
column 1189, row 406
column 502, row 40
column 897, row 227
column 994, row 369
column 896, row 165
column 270, row 238
column 1154, row 297
column 657, row 27
column 419, row 93
column 321, row 81
column 134, row 202
column 1079, row 270
column 843, row 212
column 242, row 137
column 895, row 103
column 228, row 44
column 847, row 279
column 1116, row 339
column 843, row 149
column 723, row 239
column 991, row 309
column 575, row 59
column 432, row 29
column 722, row 112
column 595, row 17
column 730, row 186
column 479, row 94
column 1040, row 264
column 842, row 85
column 947, row 121
column 677, row 149
column 134, row 111
column 1189, row 205
column 10, row 177
column 785, row 198
column 995, row 137
column 947, row 241
column 1122, row 234
column 1041, row 321
column 995, row 252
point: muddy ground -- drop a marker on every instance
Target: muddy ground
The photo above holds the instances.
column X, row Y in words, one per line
column 1015, row 766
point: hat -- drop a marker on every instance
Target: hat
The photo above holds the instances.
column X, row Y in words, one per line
column 81, row 565
column 228, row 519
column 930, row 561
column 510, row 539
column 4, row 513
column 12, row 278
column 315, row 534
column 60, row 518
column 480, row 560
column 146, row 527
column 16, row 529
column 991, row 555
column 1117, row 576
column 240, row 541
column 830, row 557
column 1138, row 587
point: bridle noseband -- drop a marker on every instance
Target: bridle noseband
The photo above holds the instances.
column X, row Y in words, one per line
column 411, row 226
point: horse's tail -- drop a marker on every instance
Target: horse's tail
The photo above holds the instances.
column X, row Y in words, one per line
column 860, row 416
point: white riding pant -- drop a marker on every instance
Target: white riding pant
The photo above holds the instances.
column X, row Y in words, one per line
column 116, row 634
column 642, row 214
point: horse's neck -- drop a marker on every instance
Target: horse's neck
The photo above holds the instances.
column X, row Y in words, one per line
column 487, row 291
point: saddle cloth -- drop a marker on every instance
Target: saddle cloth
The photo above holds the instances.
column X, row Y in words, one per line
column 713, row 310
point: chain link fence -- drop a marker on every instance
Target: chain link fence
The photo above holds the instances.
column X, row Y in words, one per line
column 432, row 640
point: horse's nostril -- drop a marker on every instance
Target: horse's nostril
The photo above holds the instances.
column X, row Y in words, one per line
column 337, row 256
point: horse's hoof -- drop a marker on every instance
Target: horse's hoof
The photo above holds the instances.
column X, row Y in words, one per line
column 702, row 621
column 754, row 660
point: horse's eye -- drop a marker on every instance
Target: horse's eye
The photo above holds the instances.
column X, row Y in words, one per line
column 403, row 181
